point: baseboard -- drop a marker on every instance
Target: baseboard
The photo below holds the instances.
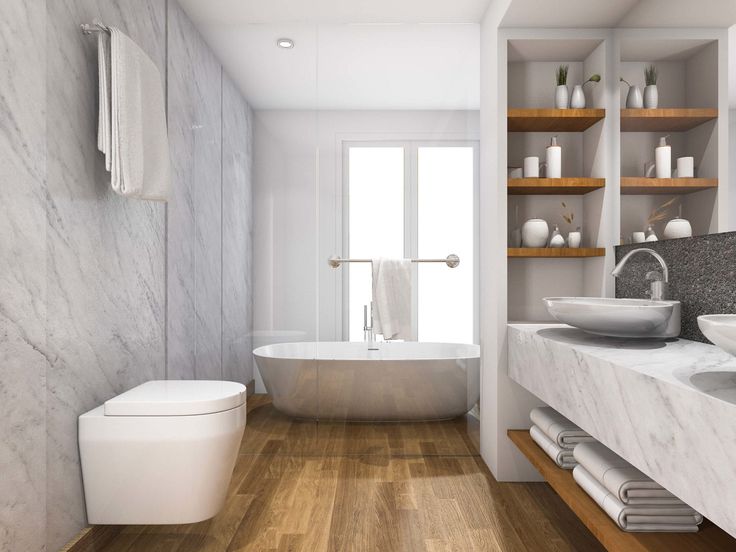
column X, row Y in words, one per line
column 93, row 538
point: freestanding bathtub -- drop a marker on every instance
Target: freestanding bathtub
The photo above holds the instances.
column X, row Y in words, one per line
column 371, row 382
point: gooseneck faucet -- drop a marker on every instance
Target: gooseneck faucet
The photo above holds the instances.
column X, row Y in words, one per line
column 658, row 288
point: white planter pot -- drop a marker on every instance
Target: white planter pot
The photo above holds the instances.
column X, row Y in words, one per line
column 634, row 99
column 562, row 97
column 678, row 228
column 651, row 97
column 534, row 233
column 574, row 239
column 577, row 100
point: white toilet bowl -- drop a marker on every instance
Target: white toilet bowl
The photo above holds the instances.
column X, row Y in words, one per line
column 161, row 453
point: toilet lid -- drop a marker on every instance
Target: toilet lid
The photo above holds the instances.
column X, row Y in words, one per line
column 177, row 398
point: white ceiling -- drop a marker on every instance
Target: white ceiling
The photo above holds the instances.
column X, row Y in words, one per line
column 238, row 12
column 620, row 13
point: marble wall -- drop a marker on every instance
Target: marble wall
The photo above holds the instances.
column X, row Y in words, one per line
column 84, row 292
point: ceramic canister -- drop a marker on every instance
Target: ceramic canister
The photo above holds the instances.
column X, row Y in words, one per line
column 678, row 228
column 534, row 233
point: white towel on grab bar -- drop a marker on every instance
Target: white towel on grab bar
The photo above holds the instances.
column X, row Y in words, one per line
column 392, row 297
column 132, row 129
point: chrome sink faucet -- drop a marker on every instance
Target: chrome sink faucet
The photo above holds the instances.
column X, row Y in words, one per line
column 368, row 335
column 660, row 282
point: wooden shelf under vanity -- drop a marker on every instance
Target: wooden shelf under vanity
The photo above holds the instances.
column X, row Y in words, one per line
column 665, row 120
column 554, row 186
column 553, row 120
column 635, row 185
column 710, row 537
column 555, row 252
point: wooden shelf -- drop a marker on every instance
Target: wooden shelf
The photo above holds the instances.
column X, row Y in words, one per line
column 664, row 120
column 554, row 186
column 555, row 252
column 710, row 537
column 634, row 185
column 553, row 120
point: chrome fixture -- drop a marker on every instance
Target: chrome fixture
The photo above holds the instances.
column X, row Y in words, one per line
column 451, row 260
column 368, row 335
column 660, row 282
column 285, row 43
column 93, row 28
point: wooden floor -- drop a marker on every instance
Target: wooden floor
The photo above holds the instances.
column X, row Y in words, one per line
column 308, row 486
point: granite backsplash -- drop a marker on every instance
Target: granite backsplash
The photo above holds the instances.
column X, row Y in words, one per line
column 702, row 273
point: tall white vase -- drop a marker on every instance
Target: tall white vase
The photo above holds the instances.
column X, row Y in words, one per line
column 562, row 97
column 577, row 100
column 634, row 99
column 651, row 96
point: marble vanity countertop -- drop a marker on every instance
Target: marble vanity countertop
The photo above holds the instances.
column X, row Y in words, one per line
column 668, row 407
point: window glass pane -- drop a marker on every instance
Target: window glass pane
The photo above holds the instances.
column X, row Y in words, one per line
column 446, row 222
column 376, row 220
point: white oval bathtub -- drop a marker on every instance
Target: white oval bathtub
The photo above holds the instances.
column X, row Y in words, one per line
column 379, row 382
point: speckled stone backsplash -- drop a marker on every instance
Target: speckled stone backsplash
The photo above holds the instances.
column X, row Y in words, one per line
column 702, row 276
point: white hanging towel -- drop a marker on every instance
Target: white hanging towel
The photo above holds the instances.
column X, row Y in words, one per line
column 133, row 120
column 392, row 298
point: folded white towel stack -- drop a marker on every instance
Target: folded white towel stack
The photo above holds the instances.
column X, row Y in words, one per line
column 392, row 298
column 556, row 435
column 132, row 127
column 634, row 501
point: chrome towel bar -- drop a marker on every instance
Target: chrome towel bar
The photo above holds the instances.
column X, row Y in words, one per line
column 451, row 261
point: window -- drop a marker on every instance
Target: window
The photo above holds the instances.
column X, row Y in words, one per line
column 415, row 200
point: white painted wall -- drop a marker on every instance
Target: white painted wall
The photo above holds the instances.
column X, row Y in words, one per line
column 298, row 208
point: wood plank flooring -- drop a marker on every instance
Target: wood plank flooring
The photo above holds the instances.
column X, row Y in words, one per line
column 342, row 487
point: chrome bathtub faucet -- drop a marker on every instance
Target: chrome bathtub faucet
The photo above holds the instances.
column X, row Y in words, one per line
column 368, row 335
column 660, row 283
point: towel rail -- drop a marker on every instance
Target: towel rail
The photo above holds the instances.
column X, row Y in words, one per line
column 451, row 261
column 92, row 28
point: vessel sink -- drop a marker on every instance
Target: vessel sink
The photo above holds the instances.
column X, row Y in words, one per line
column 631, row 318
column 720, row 329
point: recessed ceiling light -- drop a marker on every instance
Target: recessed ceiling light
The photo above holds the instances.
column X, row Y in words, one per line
column 285, row 43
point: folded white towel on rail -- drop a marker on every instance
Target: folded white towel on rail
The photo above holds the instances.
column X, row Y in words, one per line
column 639, row 518
column 622, row 479
column 392, row 296
column 558, row 428
column 562, row 457
column 132, row 128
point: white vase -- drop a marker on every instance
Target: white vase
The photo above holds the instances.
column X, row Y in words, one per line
column 577, row 100
column 574, row 239
column 651, row 96
column 638, row 237
column 534, row 233
column 651, row 235
column 562, row 97
column 678, row 228
column 634, row 99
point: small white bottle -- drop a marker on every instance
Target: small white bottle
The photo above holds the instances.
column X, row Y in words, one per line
column 554, row 159
column 663, row 158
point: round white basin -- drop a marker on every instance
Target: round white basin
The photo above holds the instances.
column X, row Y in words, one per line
column 720, row 329
column 632, row 318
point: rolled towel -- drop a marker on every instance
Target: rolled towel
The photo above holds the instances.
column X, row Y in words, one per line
column 641, row 518
column 558, row 428
column 562, row 457
column 620, row 478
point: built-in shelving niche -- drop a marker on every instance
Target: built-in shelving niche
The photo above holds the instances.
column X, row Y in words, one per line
column 532, row 120
column 688, row 111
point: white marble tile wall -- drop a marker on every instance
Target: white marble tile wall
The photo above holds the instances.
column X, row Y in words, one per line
column 194, row 225
column 237, row 235
column 83, row 287
column 105, row 268
column 22, row 277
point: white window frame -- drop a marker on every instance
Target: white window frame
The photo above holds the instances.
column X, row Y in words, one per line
column 411, row 216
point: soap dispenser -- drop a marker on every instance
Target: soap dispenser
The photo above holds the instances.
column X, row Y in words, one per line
column 554, row 159
column 663, row 159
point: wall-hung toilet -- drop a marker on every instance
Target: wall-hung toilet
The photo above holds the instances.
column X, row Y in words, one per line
column 161, row 453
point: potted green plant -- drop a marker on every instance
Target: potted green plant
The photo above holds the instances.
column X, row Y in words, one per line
column 562, row 96
column 651, row 96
